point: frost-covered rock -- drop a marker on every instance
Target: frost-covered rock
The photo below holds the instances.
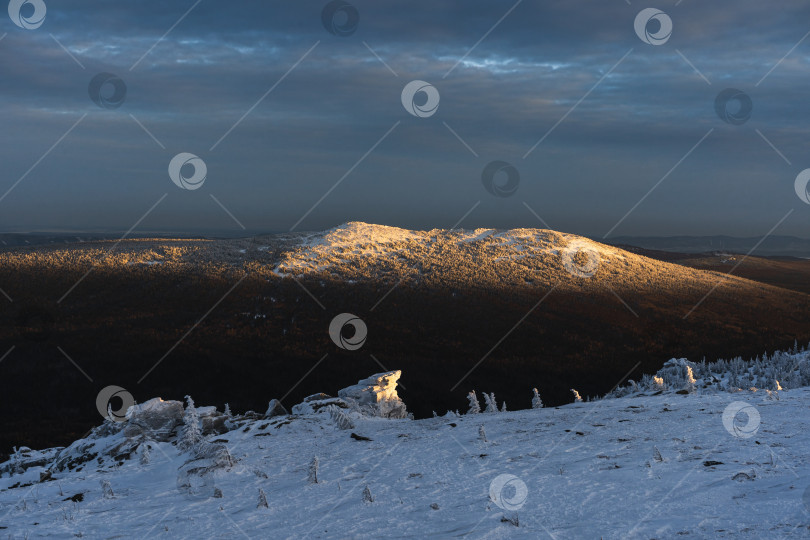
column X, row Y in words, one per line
column 275, row 408
column 213, row 422
column 378, row 395
column 196, row 476
column 24, row 458
column 155, row 419
column 316, row 402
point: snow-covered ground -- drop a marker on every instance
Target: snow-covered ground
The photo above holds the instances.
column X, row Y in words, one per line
column 651, row 464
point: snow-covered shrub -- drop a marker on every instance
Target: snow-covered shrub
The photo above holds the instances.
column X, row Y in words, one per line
column 492, row 405
column 145, row 454
column 339, row 417
column 778, row 372
column 312, row 477
column 537, row 403
column 475, row 407
column 192, row 434
column 106, row 489
column 262, row 500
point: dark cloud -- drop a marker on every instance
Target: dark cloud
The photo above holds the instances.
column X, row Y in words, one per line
column 193, row 86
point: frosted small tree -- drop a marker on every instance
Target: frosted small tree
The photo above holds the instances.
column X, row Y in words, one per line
column 475, row 407
column 145, row 455
column 106, row 489
column 690, row 379
column 227, row 412
column 367, row 497
column 262, row 500
column 340, row 418
column 503, row 407
column 482, row 434
column 313, row 470
column 577, row 397
column 537, row 403
column 492, row 405
column 192, row 434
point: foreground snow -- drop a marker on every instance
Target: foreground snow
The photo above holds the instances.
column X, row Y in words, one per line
column 640, row 466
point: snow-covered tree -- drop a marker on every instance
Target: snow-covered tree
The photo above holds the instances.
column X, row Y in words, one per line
column 145, row 454
column 106, row 490
column 482, row 434
column 475, row 407
column 367, row 497
column 262, row 500
column 192, row 434
column 492, row 405
column 503, row 407
column 690, row 379
column 537, row 403
column 313, row 470
column 339, row 417
column 577, row 397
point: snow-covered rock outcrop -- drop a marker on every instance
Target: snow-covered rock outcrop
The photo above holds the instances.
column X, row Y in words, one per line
column 377, row 394
column 372, row 396
column 155, row 419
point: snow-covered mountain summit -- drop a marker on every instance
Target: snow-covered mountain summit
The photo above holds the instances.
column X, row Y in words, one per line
column 390, row 249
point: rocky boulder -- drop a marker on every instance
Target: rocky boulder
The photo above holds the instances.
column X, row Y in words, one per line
column 155, row 419
column 316, row 402
column 275, row 408
column 377, row 395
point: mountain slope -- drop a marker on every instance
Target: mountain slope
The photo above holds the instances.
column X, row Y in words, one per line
column 649, row 465
column 456, row 310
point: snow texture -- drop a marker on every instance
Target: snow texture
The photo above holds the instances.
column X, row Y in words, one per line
column 650, row 462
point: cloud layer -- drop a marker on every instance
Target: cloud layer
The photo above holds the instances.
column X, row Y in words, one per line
column 284, row 114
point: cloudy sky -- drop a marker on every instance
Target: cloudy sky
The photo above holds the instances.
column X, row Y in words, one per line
column 301, row 128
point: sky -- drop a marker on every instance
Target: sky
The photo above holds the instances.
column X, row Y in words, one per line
column 293, row 116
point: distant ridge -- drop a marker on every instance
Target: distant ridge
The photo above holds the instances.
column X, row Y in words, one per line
column 773, row 246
